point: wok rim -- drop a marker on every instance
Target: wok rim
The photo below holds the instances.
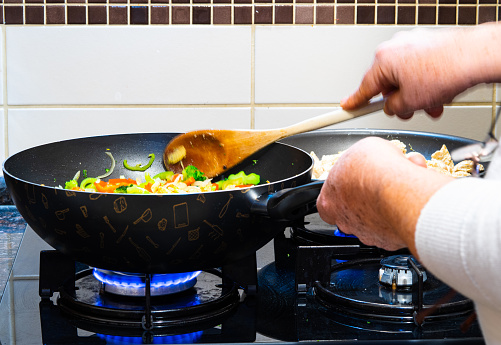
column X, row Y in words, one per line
column 343, row 131
column 376, row 131
column 6, row 172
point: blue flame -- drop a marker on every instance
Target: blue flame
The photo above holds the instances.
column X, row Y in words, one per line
column 137, row 281
column 164, row 339
column 339, row 233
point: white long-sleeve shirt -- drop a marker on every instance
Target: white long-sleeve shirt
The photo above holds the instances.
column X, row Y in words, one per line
column 458, row 239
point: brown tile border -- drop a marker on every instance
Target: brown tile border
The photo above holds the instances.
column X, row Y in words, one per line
column 304, row 15
column 386, row 14
column 77, row 15
column 181, row 15
column 55, row 14
column 248, row 12
column 201, row 15
column 34, row 14
column 325, row 15
column 160, row 15
column 221, row 15
column 263, row 14
column 117, row 15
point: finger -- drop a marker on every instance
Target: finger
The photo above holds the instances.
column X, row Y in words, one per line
column 406, row 116
column 435, row 112
column 387, row 109
column 369, row 87
column 395, row 105
column 355, row 100
column 416, row 158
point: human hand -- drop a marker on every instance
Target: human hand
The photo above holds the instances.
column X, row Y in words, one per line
column 375, row 193
column 427, row 68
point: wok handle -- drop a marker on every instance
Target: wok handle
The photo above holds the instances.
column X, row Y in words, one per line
column 290, row 203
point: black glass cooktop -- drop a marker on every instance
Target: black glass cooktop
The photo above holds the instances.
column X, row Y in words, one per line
column 277, row 313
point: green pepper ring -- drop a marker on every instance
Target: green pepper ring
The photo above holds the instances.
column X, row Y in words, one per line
column 138, row 167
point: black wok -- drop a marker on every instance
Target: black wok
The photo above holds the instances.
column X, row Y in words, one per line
column 154, row 233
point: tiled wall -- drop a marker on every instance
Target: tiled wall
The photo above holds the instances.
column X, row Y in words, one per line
column 60, row 81
column 161, row 12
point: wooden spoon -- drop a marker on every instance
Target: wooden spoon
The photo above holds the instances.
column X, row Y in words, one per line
column 214, row 151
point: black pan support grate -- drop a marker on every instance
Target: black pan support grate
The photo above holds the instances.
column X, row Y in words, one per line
column 314, row 262
column 58, row 274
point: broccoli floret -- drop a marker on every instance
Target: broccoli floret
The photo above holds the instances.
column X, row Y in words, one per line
column 123, row 189
column 71, row 184
column 191, row 171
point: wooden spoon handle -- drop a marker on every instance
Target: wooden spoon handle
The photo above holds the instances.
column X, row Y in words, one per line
column 332, row 118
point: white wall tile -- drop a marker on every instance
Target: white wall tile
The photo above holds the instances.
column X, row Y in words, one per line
column 322, row 64
column 498, row 92
column 2, row 28
column 128, row 65
column 479, row 93
column 314, row 64
column 468, row 122
column 33, row 127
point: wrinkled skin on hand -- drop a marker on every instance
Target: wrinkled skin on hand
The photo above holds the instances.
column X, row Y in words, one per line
column 427, row 68
column 375, row 193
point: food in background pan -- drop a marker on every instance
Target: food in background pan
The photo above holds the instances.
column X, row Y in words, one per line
column 440, row 161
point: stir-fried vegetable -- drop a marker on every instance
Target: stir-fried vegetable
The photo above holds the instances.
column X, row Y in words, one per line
column 191, row 180
column 71, row 184
column 139, row 167
column 191, row 171
column 239, row 180
column 110, row 170
column 88, row 183
column 166, row 175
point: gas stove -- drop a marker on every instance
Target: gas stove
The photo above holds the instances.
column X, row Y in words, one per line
column 310, row 284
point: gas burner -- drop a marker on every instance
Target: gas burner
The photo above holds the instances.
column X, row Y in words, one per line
column 354, row 288
column 286, row 315
column 204, row 304
column 397, row 272
column 131, row 284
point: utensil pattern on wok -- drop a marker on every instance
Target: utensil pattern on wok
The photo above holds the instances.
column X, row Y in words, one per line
column 146, row 233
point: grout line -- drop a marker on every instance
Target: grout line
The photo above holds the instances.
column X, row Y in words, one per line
column 12, row 319
column 457, row 12
column 436, row 12
column 477, row 14
column 253, row 77
column 195, row 106
column 294, row 4
column 494, row 108
column 4, row 83
column 25, row 277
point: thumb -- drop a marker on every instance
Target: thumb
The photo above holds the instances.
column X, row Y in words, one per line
column 416, row 158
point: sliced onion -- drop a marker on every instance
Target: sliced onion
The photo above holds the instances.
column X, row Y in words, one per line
column 111, row 168
column 77, row 176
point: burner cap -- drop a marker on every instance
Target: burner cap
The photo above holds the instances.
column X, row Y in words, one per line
column 130, row 284
column 397, row 272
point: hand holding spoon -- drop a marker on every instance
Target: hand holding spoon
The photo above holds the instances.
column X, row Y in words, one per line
column 214, row 151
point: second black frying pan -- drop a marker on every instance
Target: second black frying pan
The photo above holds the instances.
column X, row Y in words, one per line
column 331, row 141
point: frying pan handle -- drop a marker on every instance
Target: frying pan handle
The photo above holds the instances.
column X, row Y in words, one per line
column 289, row 204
